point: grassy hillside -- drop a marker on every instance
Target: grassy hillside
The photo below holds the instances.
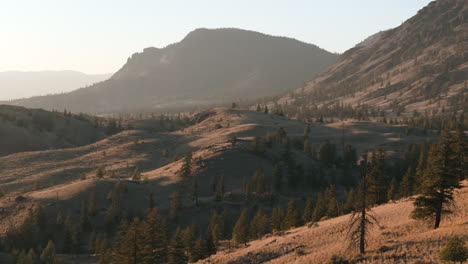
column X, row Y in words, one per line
column 398, row 239
column 24, row 129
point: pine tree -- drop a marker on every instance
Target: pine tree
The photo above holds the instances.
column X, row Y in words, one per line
column 240, row 233
column 320, row 208
column 176, row 204
column 92, row 203
column 258, row 145
column 150, row 202
column 277, row 176
column 350, row 201
column 361, row 219
column 277, row 219
column 130, row 243
column 455, row 251
column 31, row 257
column 195, row 189
column 333, row 209
column 377, row 179
column 408, row 184
column 199, row 250
column 440, row 181
column 308, row 210
column 420, row 171
column 293, row 218
column 186, row 169
column 155, row 238
column 259, row 225
column 21, row 258
column 48, row 254
column 84, row 220
column 136, row 176
column 461, row 148
column 176, row 249
column 393, row 190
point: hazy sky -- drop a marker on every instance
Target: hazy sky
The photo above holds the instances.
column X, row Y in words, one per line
column 97, row 36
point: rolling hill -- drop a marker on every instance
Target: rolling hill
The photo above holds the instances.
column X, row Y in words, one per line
column 208, row 67
column 23, row 129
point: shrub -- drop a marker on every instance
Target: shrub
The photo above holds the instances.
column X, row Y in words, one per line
column 338, row 260
column 455, row 251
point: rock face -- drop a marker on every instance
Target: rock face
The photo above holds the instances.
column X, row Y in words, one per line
column 208, row 66
column 421, row 65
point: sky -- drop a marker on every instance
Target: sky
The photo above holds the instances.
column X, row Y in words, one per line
column 97, row 36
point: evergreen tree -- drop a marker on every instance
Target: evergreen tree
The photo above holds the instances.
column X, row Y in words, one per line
column 84, row 220
column 130, row 243
column 31, row 257
column 333, row 209
column 320, row 208
column 308, row 211
column 393, row 190
column 92, row 210
column 155, row 238
column 258, row 145
column 136, row 176
column 21, row 258
column 176, row 204
column 240, row 233
column 461, row 148
column 361, row 219
column 377, row 179
column 349, row 156
column 293, row 218
column 176, row 249
column 259, row 225
column 277, row 176
column 186, row 169
column 441, row 178
column 199, row 250
column 195, row 189
column 277, row 219
column 350, row 201
column 151, row 202
column 48, row 254
column 420, row 170
column 408, row 184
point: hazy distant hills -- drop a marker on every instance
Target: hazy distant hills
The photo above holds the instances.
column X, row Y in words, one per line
column 420, row 66
column 18, row 84
column 208, row 66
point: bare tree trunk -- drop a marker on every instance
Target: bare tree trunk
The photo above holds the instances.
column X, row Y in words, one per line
column 438, row 215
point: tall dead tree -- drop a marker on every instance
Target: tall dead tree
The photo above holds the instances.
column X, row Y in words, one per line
column 361, row 217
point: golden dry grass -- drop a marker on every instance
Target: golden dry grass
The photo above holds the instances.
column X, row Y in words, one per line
column 399, row 239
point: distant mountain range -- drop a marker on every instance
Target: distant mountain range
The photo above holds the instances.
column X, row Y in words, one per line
column 420, row 66
column 23, row 84
column 209, row 66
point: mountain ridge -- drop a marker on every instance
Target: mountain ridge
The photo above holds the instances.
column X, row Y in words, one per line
column 209, row 66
